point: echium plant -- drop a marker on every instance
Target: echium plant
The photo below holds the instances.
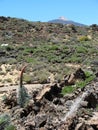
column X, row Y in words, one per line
column 22, row 95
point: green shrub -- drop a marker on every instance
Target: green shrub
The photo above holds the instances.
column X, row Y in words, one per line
column 80, row 84
column 83, row 38
column 88, row 73
column 43, row 79
column 81, row 49
column 27, row 78
column 53, row 47
column 42, row 75
column 74, row 59
column 68, row 90
column 10, row 127
column 4, row 121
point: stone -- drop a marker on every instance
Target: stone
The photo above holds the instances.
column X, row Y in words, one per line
column 40, row 120
column 79, row 126
column 84, row 103
column 80, row 74
column 93, row 120
column 30, row 124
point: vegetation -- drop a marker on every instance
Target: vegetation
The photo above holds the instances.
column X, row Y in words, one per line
column 80, row 84
column 83, row 38
column 5, row 123
column 10, row 127
column 27, row 78
column 22, row 95
column 68, row 89
column 47, row 47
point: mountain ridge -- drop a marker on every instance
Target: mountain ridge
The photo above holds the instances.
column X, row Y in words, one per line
column 63, row 20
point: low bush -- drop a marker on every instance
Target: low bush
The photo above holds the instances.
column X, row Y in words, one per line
column 83, row 38
column 80, row 84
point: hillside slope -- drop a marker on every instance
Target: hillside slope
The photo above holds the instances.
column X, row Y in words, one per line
column 47, row 48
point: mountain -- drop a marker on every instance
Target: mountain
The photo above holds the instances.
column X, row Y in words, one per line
column 63, row 20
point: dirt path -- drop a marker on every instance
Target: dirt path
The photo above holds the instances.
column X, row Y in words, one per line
column 30, row 87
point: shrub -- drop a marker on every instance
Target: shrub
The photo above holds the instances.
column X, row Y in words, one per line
column 27, row 78
column 68, row 90
column 4, row 119
column 83, row 38
column 42, row 75
column 10, row 127
column 5, row 123
column 81, row 49
column 43, row 79
column 80, row 84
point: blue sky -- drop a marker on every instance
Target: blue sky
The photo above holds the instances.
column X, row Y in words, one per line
column 83, row 11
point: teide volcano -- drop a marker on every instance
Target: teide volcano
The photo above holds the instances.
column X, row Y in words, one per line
column 63, row 20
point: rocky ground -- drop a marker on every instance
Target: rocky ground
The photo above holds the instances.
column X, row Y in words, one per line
column 9, row 75
column 48, row 109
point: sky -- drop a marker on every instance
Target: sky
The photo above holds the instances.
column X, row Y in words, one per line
column 82, row 11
